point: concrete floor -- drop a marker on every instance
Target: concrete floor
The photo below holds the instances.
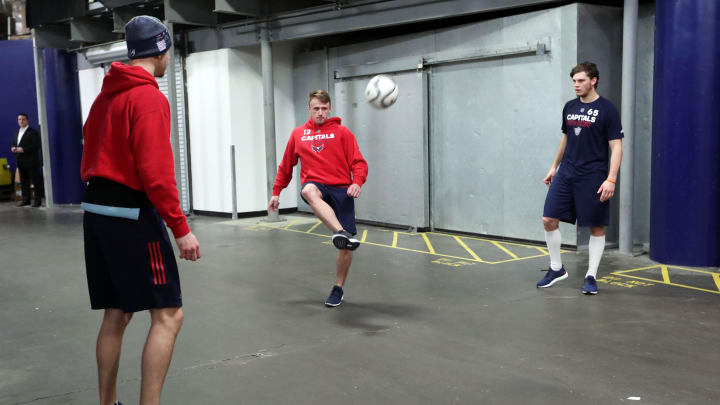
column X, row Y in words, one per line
column 415, row 328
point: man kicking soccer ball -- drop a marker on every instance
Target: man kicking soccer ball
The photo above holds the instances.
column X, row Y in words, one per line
column 332, row 174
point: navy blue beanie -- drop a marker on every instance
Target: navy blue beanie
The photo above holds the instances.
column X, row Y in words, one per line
column 146, row 36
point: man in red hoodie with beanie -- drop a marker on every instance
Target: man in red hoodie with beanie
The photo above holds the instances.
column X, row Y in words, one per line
column 131, row 195
column 332, row 174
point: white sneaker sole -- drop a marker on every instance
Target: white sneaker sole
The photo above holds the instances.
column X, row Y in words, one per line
column 590, row 292
column 344, row 243
column 563, row 277
column 327, row 304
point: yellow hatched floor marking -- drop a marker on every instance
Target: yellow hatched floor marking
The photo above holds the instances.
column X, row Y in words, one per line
column 501, row 247
column 543, row 251
column 666, row 277
column 431, row 249
column 313, row 227
column 467, row 248
column 429, row 245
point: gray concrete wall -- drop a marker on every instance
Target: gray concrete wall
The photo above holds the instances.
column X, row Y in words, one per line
column 496, row 125
column 578, row 32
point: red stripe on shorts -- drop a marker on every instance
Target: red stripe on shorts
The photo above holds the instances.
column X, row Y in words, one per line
column 152, row 263
column 162, row 266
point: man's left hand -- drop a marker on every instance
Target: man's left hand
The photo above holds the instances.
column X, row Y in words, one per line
column 606, row 191
column 354, row 191
column 19, row 150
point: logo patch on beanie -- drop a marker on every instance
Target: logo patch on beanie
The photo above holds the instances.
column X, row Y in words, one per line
column 132, row 53
column 162, row 45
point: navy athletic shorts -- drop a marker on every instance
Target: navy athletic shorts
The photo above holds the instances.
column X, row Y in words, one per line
column 573, row 197
column 341, row 203
column 130, row 263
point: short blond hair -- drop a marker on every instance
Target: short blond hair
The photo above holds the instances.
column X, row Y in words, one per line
column 321, row 95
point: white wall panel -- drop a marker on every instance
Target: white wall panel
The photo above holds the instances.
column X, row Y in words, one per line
column 208, row 88
column 225, row 103
column 90, row 82
column 248, row 128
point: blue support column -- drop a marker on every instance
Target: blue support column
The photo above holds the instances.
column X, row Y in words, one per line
column 685, row 185
column 64, row 125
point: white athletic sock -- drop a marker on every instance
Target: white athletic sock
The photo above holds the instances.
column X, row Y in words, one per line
column 596, row 247
column 554, row 240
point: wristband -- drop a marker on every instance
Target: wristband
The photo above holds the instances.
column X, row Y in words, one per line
column 611, row 181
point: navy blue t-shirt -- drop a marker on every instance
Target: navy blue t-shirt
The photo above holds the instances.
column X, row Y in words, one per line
column 589, row 128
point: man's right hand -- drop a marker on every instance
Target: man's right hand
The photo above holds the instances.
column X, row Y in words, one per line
column 274, row 203
column 189, row 247
column 549, row 177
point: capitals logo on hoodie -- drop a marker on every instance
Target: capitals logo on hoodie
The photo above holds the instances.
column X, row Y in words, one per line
column 317, row 140
column 328, row 154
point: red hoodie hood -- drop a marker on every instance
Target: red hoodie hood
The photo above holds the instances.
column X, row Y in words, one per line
column 122, row 77
column 330, row 122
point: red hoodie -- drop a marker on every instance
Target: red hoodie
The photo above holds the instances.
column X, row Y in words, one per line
column 127, row 140
column 328, row 152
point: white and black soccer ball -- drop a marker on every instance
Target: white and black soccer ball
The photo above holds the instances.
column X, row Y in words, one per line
column 381, row 91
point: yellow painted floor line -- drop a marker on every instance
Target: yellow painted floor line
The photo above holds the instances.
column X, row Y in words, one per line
column 291, row 223
column 541, row 250
column 364, row 236
column 467, row 248
column 514, row 260
column 313, row 227
column 395, row 236
column 429, row 245
column 666, row 276
column 693, row 270
column 501, row 247
column 638, row 269
column 716, row 277
column 482, row 239
column 424, row 252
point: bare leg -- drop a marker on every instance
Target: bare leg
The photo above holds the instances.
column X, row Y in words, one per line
column 344, row 260
column 166, row 323
column 107, row 350
column 597, row 230
column 321, row 209
column 550, row 224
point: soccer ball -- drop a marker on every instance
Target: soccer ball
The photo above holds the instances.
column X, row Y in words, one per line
column 381, row 91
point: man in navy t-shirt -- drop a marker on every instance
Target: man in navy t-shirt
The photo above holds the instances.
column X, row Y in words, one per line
column 581, row 189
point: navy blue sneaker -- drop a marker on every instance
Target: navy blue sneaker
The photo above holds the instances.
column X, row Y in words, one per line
column 590, row 286
column 336, row 297
column 343, row 240
column 117, row 403
column 552, row 277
